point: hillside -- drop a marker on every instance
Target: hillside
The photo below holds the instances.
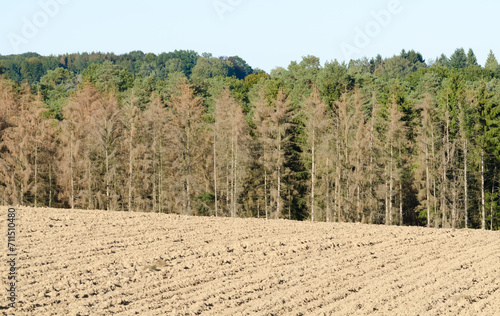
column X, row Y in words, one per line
column 99, row 263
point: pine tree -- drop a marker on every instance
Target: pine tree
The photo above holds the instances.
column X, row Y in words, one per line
column 78, row 169
column 492, row 135
column 315, row 146
column 459, row 59
column 155, row 171
column 471, row 58
column 230, row 143
column 466, row 133
column 373, row 166
column 491, row 62
column 395, row 139
column 185, row 128
column 107, row 130
column 279, row 127
column 28, row 144
column 426, row 139
column 132, row 118
column 273, row 124
column 262, row 121
column 7, row 110
column 359, row 160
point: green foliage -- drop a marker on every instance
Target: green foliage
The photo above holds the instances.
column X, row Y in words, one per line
column 166, row 88
column 415, row 60
column 443, row 61
column 491, row 62
column 458, row 60
column 465, row 98
column 301, row 77
column 126, row 80
column 142, row 90
column 333, row 80
column 205, row 201
column 238, row 67
column 55, row 88
column 207, row 68
column 471, row 58
column 254, row 78
column 492, row 118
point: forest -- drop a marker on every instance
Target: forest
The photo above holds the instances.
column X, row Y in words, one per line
column 394, row 141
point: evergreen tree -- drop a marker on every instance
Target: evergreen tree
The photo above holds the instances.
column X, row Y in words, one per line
column 458, row 60
column 262, row 121
column 315, row 147
column 491, row 62
column 27, row 151
column 443, row 61
column 230, row 150
column 426, row 140
column 156, row 159
column 188, row 144
column 127, row 140
column 78, row 169
column 471, row 58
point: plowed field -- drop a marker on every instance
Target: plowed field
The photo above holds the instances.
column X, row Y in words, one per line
column 101, row 263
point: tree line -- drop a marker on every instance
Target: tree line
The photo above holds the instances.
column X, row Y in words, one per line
column 393, row 141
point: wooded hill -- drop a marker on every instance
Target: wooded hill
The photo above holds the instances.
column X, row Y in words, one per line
column 394, row 141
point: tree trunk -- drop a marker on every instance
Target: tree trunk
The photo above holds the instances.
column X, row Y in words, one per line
column 338, row 193
column 391, row 165
column 454, row 205
column 386, row 203
column 433, row 157
column 446, row 160
column 443, row 194
column 483, row 213
column 72, row 198
column 107, row 179
column 228, row 208
column 160, row 179
column 327, row 191
column 89, row 205
column 235, row 180
column 188, row 186
column 401, row 190
column 155, row 175
column 371, row 151
column 427, row 185
column 232, row 175
column 466, row 196
column 265, row 193
column 400, row 202
column 36, row 173
column 215, row 173
column 313, row 170
column 289, row 205
column 50, row 185
column 130, row 169
column 278, row 209
column 491, row 199
column 434, row 188
column 188, row 171
column 358, row 203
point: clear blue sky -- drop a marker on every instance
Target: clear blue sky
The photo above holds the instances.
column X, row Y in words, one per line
column 265, row 33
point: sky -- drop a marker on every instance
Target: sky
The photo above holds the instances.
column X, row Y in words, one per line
column 265, row 33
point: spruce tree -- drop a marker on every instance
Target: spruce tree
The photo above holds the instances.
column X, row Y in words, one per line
column 491, row 62
column 471, row 58
column 458, row 60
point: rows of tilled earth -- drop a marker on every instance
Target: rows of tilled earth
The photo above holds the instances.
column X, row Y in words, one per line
column 100, row 263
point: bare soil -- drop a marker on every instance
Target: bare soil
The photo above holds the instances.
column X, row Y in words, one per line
column 100, row 263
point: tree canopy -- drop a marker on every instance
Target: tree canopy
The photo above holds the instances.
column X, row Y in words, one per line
column 395, row 141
